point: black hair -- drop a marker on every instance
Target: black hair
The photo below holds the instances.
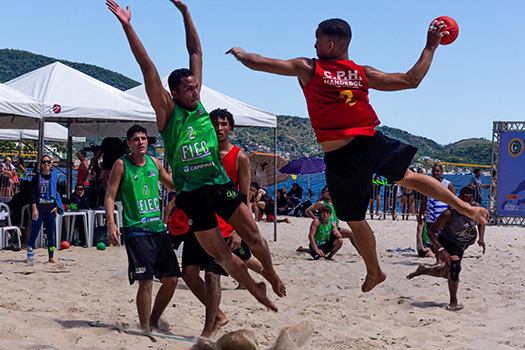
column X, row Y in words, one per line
column 324, row 188
column 467, row 190
column 437, row 165
column 337, row 29
column 21, row 160
column 135, row 129
column 477, row 170
column 325, row 208
column 176, row 77
column 45, row 155
column 222, row 113
column 82, row 152
column 255, row 184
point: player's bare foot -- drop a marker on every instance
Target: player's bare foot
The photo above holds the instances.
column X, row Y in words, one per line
column 372, row 281
column 478, row 214
column 51, row 260
column 454, row 307
column 277, row 285
column 287, row 221
column 416, row 273
column 302, row 249
column 220, row 321
column 261, row 295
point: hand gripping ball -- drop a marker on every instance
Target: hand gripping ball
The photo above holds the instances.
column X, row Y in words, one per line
column 452, row 28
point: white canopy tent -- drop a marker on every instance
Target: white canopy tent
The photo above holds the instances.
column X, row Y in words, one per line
column 18, row 110
column 53, row 132
column 89, row 106
column 243, row 113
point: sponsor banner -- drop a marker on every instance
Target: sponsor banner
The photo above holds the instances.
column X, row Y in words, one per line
column 511, row 175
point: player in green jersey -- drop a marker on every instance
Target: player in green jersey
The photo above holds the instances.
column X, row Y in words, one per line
column 136, row 178
column 326, row 200
column 201, row 184
column 325, row 239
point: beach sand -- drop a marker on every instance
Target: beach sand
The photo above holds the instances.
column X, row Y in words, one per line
column 81, row 304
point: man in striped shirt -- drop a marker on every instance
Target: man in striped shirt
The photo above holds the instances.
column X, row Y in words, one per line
column 433, row 209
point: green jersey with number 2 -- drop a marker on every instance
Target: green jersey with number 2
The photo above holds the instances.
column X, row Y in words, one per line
column 192, row 150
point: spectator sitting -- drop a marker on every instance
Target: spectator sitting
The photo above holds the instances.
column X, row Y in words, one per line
column 295, row 194
column 283, row 206
column 79, row 198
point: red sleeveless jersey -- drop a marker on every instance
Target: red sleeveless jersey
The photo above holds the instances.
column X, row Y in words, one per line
column 229, row 161
column 337, row 100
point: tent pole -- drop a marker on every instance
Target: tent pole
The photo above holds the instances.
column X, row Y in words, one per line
column 20, row 143
column 40, row 144
column 69, row 172
column 275, row 184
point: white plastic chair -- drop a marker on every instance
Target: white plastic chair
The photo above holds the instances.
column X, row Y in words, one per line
column 4, row 237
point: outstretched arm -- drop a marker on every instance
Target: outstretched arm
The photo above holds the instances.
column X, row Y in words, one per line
column 399, row 81
column 193, row 43
column 159, row 98
column 303, row 68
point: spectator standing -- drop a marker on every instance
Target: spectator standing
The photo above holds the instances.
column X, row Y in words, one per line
column 112, row 148
column 476, row 184
column 45, row 204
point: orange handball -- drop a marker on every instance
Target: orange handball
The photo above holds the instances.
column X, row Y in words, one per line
column 452, row 28
column 64, row 245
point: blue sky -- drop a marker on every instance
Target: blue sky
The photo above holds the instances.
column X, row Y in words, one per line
column 473, row 82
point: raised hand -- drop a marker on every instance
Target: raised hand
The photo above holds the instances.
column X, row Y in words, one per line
column 435, row 31
column 180, row 5
column 124, row 16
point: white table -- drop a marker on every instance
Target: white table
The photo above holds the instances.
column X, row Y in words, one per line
column 71, row 217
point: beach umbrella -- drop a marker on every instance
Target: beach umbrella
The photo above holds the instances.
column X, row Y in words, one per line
column 262, row 168
column 304, row 166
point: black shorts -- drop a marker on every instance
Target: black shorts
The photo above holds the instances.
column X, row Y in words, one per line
column 349, row 171
column 244, row 252
column 176, row 240
column 194, row 254
column 325, row 248
column 201, row 205
column 422, row 253
column 150, row 256
column 451, row 247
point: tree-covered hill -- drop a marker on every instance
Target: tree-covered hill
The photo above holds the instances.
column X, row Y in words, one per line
column 14, row 63
column 295, row 135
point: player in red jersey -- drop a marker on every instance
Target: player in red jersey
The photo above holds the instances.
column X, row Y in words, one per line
column 336, row 92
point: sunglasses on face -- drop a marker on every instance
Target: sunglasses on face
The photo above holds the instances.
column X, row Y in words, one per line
column 79, row 189
column 46, row 162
